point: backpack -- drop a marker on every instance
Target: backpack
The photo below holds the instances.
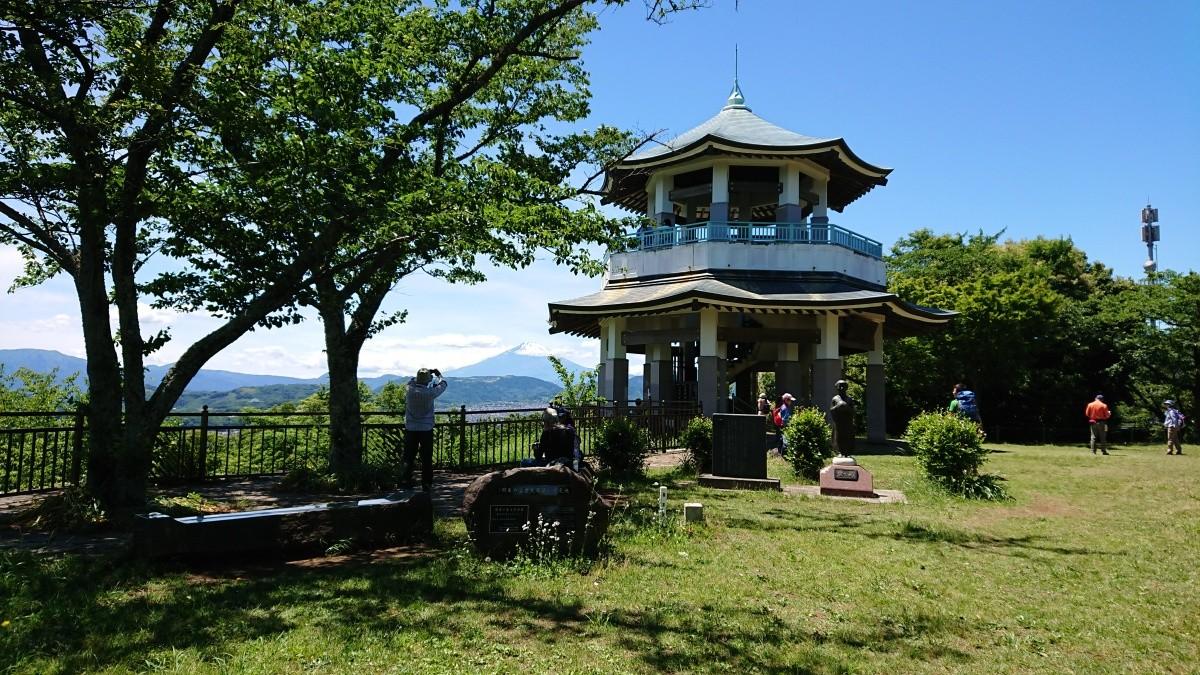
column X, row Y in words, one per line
column 778, row 419
column 966, row 404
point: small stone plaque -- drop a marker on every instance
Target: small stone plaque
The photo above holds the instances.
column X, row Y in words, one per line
column 845, row 478
column 845, row 474
column 507, row 518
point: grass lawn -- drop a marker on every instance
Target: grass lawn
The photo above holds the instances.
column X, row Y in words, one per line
column 1090, row 568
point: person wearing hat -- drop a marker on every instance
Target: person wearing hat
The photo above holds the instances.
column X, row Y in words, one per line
column 1097, row 414
column 764, row 406
column 422, row 390
column 783, row 413
column 1173, row 421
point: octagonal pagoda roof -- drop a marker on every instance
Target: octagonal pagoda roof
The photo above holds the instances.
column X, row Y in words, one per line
column 736, row 131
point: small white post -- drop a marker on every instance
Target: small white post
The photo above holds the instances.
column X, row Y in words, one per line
column 662, row 503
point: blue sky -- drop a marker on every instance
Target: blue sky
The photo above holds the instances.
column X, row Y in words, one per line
column 1055, row 119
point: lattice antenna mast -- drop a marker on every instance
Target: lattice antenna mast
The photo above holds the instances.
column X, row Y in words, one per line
column 1150, row 237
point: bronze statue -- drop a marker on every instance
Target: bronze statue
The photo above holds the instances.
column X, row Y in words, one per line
column 841, row 413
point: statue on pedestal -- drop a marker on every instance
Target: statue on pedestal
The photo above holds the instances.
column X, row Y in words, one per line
column 841, row 414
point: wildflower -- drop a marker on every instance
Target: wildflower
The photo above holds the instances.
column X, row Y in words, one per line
column 5, row 623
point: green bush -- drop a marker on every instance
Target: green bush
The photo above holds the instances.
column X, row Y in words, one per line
column 809, row 442
column 697, row 438
column 950, row 450
column 622, row 448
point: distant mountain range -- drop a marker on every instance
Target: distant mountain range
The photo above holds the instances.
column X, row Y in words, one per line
column 520, row 376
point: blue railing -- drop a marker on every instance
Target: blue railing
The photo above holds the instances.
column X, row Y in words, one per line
column 653, row 238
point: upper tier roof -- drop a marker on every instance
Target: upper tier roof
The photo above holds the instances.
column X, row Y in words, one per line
column 737, row 132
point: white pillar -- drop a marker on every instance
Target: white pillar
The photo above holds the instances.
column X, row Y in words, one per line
column 827, row 369
column 789, row 209
column 718, row 211
column 661, row 207
column 821, row 208
column 707, row 377
column 876, row 388
column 614, row 382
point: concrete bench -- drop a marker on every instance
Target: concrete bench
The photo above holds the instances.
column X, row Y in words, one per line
column 312, row 527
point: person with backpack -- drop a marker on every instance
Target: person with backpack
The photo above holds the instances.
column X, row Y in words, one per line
column 781, row 415
column 1173, row 420
column 963, row 404
column 1098, row 413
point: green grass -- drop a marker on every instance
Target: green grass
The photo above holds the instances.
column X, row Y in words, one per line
column 1091, row 567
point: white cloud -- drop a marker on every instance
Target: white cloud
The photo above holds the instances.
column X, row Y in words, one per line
column 453, row 341
column 150, row 317
column 55, row 323
column 11, row 265
column 272, row 360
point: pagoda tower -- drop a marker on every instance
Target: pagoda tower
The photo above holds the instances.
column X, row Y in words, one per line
column 738, row 270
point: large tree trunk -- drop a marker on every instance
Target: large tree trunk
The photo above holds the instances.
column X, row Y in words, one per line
column 345, row 408
column 343, row 345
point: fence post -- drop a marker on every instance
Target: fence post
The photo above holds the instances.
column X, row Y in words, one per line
column 203, row 468
column 77, row 444
column 462, row 435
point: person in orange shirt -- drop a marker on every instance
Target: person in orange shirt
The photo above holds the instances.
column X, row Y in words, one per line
column 1098, row 413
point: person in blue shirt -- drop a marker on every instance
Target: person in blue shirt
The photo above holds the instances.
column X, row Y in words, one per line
column 418, row 423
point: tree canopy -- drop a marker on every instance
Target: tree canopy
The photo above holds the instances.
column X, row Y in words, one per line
column 1042, row 330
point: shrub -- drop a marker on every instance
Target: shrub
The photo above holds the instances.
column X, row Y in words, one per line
column 809, row 442
column 950, row 450
column 697, row 438
column 622, row 448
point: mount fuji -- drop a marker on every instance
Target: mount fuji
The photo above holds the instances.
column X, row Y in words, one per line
column 528, row 359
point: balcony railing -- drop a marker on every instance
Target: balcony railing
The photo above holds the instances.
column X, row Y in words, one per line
column 650, row 239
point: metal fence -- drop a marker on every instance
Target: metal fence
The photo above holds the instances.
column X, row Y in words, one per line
column 667, row 236
column 41, row 451
column 45, row 451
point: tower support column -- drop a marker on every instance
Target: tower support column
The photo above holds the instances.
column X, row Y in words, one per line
column 711, row 365
column 876, row 390
column 657, row 373
column 789, row 379
column 614, row 382
column 827, row 368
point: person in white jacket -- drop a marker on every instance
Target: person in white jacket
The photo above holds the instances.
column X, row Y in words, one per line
column 418, row 423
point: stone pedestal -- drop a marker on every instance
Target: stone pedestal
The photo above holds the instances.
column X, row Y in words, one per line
column 845, row 478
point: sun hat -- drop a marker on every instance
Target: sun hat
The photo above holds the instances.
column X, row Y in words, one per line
column 788, row 397
column 1169, row 402
column 549, row 416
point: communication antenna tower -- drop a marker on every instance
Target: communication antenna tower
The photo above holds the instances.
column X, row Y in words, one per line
column 1150, row 236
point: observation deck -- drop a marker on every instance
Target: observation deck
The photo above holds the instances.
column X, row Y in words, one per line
column 759, row 233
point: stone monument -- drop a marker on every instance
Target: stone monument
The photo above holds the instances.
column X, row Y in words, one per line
column 844, row 477
column 738, row 458
column 503, row 507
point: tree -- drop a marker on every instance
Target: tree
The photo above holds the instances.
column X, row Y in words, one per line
column 578, row 390
column 1032, row 336
column 125, row 132
column 1158, row 341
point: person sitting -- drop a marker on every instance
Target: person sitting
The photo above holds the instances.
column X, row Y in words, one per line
column 557, row 442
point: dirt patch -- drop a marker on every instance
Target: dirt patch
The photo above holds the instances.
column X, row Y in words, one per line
column 1040, row 506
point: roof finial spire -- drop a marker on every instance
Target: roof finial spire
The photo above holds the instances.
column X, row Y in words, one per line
column 736, row 99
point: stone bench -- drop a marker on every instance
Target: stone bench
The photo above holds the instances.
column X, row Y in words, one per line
column 308, row 528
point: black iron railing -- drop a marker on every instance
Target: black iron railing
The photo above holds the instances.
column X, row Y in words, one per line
column 45, row 451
